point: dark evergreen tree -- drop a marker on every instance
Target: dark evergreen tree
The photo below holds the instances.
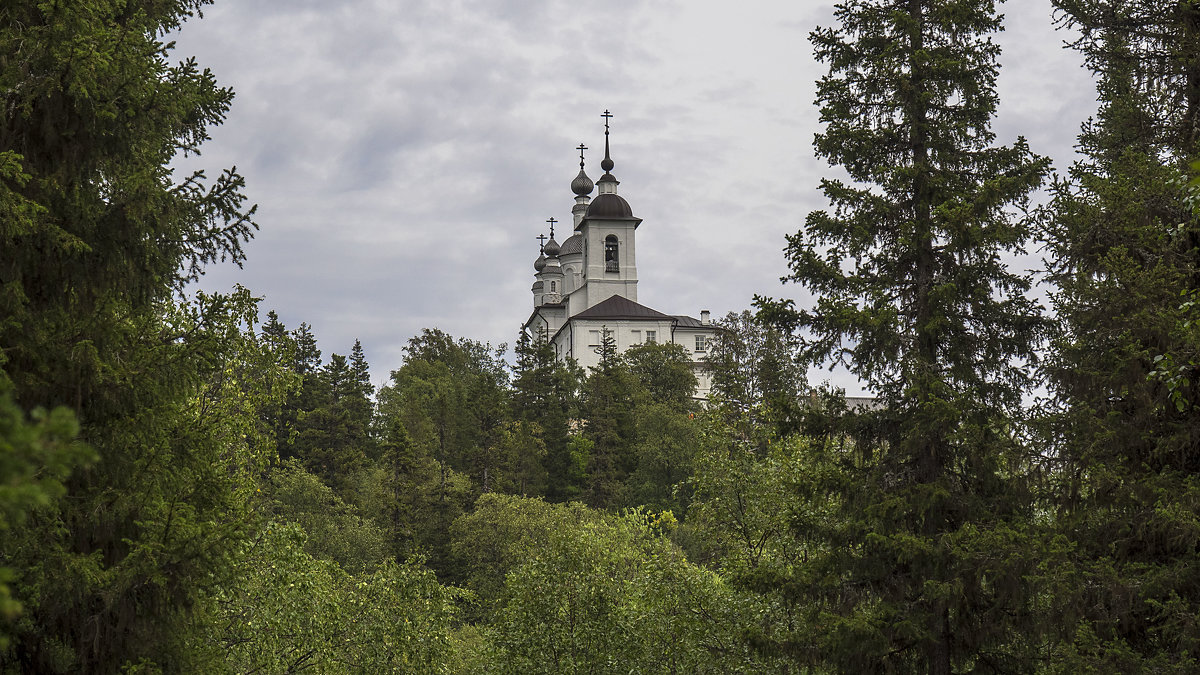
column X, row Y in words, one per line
column 409, row 479
column 545, row 392
column 1124, row 427
column 451, row 398
column 608, row 405
column 96, row 235
column 332, row 437
column 273, row 328
column 917, row 568
column 361, row 396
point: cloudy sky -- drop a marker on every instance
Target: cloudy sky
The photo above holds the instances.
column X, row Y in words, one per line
column 404, row 154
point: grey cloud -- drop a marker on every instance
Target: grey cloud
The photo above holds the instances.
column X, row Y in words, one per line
column 405, row 154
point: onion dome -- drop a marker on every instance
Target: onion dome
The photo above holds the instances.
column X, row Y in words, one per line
column 540, row 263
column 551, row 249
column 582, row 185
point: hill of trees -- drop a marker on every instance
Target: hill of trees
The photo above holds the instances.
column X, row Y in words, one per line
column 188, row 485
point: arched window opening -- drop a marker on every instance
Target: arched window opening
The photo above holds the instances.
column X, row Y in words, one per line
column 611, row 263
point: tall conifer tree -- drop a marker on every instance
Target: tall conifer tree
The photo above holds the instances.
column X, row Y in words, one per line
column 914, row 297
column 97, row 234
column 1125, row 427
column 545, row 392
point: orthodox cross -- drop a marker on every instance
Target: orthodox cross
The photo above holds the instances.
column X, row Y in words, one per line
column 607, row 116
column 581, row 148
column 541, row 243
column 552, row 221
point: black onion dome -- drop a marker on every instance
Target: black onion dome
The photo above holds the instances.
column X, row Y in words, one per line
column 609, row 205
column 551, row 248
column 582, row 185
column 540, row 263
column 573, row 244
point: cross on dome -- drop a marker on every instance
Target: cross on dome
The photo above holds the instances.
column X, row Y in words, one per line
column 582, row 185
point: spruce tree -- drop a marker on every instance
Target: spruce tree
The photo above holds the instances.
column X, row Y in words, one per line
column 545, row 392
column 913, row 296
column 1124, row 421
column 97, row 236
column 608, row 405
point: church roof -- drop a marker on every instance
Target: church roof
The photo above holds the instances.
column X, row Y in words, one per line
column 619, row 307
column 609, row 205
column 573, row 244
column 689, row 322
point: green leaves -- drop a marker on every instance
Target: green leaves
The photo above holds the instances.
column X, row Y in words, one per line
column 611, row 594
column 284, row 610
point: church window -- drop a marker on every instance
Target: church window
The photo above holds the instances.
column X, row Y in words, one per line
column 553, row 286
column 701, row 343
column 611, row 262
column 651, row 337
column 593, row 338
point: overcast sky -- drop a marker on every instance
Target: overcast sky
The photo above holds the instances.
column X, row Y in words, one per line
column 404, row 154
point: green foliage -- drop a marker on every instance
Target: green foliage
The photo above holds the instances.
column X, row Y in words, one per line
column 545, row 393
column 36, row 456
column 664, row 371
column 500, row 533
column 746, row 523
column 144, row 530
column 335, row 529
column 912, row 295
column 612, row 594
column 665, row 432
column 665, row 446
column 756, row 376
column 1123, row 426
column 609, row 398
column 286, row 611
column 97, row 234
column 450, row 396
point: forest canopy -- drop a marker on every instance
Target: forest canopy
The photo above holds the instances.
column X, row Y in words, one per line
column 189, row 485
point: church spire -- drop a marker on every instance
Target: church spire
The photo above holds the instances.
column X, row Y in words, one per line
column 608, row 183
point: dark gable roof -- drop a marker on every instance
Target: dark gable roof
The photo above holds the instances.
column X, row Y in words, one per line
column 618, row 307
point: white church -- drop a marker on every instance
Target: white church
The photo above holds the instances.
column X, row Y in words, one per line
column 588, row 284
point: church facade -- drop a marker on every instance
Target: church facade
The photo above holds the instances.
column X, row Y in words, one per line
column 587, row 285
